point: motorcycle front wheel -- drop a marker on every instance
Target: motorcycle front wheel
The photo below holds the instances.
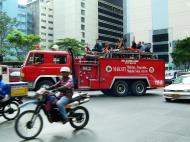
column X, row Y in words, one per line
column 28, row 125
column 10, row 111
column 79, row 117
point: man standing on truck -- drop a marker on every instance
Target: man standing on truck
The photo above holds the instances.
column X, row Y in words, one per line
column 65, row 87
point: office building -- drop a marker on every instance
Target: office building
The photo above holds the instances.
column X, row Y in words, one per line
column 157, row 22
column 110, row 20
column 18, row 11
column 42, row 15
column 87, row 20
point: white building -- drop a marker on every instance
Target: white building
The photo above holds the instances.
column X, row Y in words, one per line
column 42, row 12
column 159, row 22
column 87, row 20
column 76, row 19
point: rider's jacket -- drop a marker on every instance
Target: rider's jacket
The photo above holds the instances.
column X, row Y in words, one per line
column 3, row 89
column 68, row 83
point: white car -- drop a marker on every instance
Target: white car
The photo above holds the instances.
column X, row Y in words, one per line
column 180, row 89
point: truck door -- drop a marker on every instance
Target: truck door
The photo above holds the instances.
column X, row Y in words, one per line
column 33, row 66
column 88, row 76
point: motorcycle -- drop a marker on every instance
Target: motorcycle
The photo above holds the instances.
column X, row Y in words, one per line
column 32, row 122
column 9, row 108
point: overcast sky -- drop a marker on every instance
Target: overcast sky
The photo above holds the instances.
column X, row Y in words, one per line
column 22, row 1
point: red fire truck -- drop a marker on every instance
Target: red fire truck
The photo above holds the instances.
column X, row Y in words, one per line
column 118, row 74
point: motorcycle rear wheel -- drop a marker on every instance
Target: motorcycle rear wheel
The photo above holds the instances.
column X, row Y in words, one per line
column 79, row 117
column 25, row 128
column 10, row 111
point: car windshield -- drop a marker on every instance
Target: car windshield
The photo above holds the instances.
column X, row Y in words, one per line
column 182, row 79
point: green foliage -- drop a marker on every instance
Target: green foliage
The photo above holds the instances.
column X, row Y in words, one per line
column 181, row 54
column 22, row 43
column 77, row 46
column 6, row 26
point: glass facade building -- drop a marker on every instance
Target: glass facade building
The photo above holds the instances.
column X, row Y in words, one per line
column 20, row 12
column 110, row 20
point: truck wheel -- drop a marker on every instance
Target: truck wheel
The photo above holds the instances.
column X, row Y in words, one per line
column 138, row 88
column 44, row 83
column 120, row 88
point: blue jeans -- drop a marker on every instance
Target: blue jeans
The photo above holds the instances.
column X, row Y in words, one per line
column 61, row 103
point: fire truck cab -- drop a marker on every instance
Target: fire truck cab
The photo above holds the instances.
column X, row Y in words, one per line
column 118, row 74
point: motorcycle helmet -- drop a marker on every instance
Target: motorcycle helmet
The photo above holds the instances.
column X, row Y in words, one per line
column 65, row 69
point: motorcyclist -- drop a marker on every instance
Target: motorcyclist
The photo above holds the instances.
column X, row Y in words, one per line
column 65, row 87
column 3, row 92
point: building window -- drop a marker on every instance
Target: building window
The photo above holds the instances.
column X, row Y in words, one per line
column 43, row 40
column 82, row 4
column 43, row 14
column 50, row 9
column 82, row 12
column 50, row 22
column 82, row 40
column 43, row 27
column 43, row 33
column 82, row 19
column 50, row 34
column 43, row 21
column 50, row 28
column 50, row 40
column 83, row 34
column 50, row 16
column 82, row 27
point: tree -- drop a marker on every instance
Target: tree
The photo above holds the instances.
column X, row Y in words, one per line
column 181, row 54
column 6, row 25
column 22, row 43
column 77, row 46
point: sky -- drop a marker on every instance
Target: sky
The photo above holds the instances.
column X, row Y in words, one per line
column 22, row 1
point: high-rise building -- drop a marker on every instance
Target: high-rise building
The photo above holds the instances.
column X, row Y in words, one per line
column 76, row 19
column 42, row 15
column 110, row 20
column 18, row 11
column 158, row 22
column 87, row 20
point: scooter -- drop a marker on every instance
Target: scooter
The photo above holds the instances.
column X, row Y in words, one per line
column 32, row 122
column 9, row 107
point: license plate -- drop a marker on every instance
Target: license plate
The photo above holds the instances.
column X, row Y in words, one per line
column 19, row 91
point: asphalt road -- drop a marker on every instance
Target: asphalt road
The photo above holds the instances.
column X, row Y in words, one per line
column 123, row 119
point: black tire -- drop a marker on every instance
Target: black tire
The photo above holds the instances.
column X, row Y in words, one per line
column 44, row 83
column 138, row 88
column 79, row 120
column 26, row 125
column 168, row 100
column 107, row 92
column 120, row 88
column 10, row 111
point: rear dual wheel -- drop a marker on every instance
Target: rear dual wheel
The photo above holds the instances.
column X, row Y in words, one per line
column 138, row 88
column 120, row 88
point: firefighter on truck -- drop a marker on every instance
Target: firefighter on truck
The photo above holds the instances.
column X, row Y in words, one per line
column 119, row 74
